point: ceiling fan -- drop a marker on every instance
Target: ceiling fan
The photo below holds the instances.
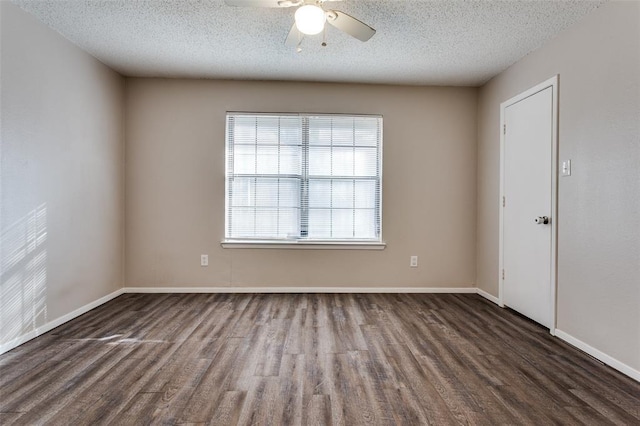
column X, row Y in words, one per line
column 310, row 19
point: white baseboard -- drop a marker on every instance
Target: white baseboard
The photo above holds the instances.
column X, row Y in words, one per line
column 488, row 296
column 6, row 347
column 299, row 289
column 610, row 361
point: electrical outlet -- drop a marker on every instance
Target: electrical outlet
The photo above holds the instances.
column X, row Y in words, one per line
column 413, row 262
column 204, row 260
column 566, row 168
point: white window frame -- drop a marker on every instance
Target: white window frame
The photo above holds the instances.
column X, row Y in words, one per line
column 350, row 244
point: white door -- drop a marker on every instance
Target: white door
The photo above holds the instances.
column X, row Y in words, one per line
column 527, row 205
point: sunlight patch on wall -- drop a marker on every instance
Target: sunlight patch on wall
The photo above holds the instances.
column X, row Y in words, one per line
column 23, row 275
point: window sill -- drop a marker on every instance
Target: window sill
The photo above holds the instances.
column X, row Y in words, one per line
column 309, row 245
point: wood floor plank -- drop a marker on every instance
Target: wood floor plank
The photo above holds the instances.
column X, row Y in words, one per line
column 384, row 371
column 18, row 368
column 249, row 354
column 347, row 329
column 315, row 381
column 295, row 337
column 317, row 310
column 616, row 388
column 611, row 412
column 54, row 395
column 407, row 408
column 210, row 389
column 273, row 348
column 180, row 380
column 107, row 397
column 292, row 387
column 228, row 411
column 318, row 412
column 138, row 410
column 308, row 359
column 414, row 378
column 346, row 406
column 86, row 400
column 9, row 418
column 588, row 416
column 51, row 377
column 262, row 404
column 372, row 387
column 31, row 352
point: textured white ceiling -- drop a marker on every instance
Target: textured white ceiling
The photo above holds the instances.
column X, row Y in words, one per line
column 417, row 42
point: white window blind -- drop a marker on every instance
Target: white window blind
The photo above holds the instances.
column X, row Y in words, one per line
column 303, row 177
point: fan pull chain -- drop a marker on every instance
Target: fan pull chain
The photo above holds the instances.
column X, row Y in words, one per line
column 299, row 46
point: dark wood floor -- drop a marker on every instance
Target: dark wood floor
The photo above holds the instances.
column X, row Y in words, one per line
column 343, row 359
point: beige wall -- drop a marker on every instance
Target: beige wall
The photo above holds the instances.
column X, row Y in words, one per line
column 598, row 61
column 175, row 186
column 61, row 216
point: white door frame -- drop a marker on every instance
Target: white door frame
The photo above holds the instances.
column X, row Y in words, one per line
column 553, row 83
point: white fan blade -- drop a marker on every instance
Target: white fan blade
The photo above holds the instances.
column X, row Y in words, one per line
column 350, row 25
column 262, row 3
column 294, row 37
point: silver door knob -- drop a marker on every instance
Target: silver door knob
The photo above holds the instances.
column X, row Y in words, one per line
column 542, row 220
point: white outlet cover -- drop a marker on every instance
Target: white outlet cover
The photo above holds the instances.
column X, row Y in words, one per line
column 566, row 168
column 204, row 260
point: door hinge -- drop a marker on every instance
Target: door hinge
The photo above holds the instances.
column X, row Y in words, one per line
column 504, row 129
column 503, row 275
column 503, row 201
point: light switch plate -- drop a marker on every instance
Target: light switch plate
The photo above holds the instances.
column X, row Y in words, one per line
column 566, row 168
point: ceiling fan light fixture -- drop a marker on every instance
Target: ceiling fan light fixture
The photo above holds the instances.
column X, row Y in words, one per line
column 310, row 19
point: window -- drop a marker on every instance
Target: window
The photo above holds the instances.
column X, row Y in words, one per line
column 303, row 178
